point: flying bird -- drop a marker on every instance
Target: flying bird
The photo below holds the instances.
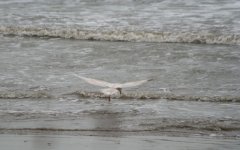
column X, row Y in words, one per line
column 111, row 88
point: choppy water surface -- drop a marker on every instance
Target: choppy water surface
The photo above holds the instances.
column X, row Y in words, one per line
column 189, row 21
column 196, row 75
column 39, row 90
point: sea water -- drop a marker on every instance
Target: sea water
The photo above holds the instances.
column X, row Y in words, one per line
column 189, row 48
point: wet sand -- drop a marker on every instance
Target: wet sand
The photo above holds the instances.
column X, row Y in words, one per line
column 63, row 142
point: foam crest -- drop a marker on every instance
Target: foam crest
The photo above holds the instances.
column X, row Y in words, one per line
column 157, row 96
column 120, row 35
column 124, row 96
column 23, row 94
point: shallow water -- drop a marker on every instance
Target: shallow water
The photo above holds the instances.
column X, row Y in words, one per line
column 195, row 87
column 49, row 64
column 40, row 92
column 120, row 116
column 134, row 142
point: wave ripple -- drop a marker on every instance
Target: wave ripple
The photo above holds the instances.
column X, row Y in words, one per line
column 120, row 35
column 168, row 96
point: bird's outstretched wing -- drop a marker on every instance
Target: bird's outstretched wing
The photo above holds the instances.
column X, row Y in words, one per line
column 135, row 83
column 95, row 81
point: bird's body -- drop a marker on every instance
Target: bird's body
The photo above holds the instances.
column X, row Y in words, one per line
column 111, row 88
column 109, row 92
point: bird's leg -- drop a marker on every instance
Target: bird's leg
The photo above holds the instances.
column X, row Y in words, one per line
column 109, row 98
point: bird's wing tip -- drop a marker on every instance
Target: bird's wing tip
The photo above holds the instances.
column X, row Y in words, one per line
column 150, row 79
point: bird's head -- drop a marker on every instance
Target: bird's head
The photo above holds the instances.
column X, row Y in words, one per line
column 120, row 90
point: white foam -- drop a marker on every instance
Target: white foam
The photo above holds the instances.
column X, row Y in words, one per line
column 121, row 35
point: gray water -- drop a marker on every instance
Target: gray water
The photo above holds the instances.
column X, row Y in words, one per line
column 39, row 90
column 189, row 48
column 189, row 21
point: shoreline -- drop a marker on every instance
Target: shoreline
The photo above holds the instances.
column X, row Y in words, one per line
column 62, row 142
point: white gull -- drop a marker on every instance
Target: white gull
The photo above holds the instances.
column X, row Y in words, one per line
column 111, row 88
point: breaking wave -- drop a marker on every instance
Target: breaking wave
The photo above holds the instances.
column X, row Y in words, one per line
column 124, row 96
column 164, row 125
column 168, row 96
column 196, row 124
column 120, row 35
column 23, row 94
